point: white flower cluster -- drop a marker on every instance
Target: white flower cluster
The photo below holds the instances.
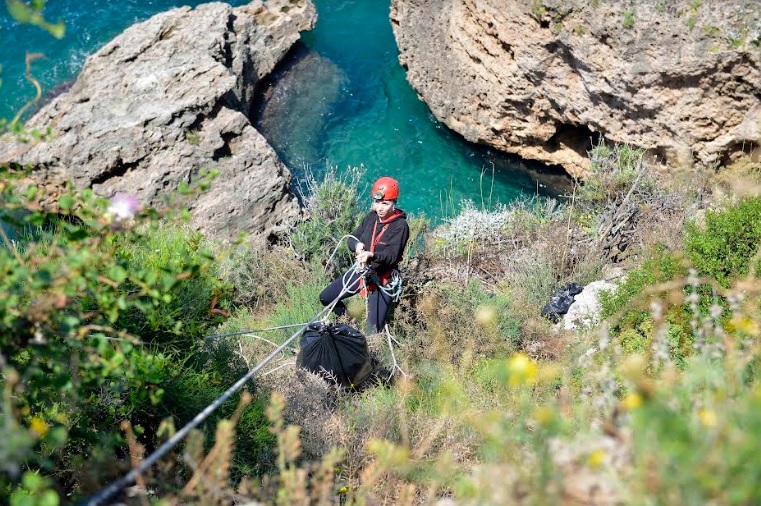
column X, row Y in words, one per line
column 473, row 224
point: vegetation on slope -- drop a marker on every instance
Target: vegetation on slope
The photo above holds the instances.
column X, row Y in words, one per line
column 104, row 354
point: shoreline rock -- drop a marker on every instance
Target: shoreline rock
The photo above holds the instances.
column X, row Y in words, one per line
column 168, row 98
column 541, row 79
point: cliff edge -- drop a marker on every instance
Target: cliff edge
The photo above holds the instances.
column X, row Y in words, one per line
column 545, row 78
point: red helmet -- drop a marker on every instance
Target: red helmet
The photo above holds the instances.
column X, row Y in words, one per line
column 386, row 188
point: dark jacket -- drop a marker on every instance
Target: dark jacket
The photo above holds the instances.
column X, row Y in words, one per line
column 390, row 239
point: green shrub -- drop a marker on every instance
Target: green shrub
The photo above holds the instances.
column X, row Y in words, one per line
column 465, row 320
column 629, row 304
column 628, row 19
column 259, row 276
column 73, row 293
column 333, row 210
column 613, row 171
column 300, row 306
column 676, row 435
column 724, row 248
column 185, row 310
column 661, row 267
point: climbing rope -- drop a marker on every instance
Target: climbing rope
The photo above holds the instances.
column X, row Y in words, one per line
column 393, row 288
column 338, row 245
column 254, row 331
column 106, row 493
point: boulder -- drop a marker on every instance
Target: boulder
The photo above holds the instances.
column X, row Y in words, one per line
column 585, row 310
column 541, row 78
column 164, row 100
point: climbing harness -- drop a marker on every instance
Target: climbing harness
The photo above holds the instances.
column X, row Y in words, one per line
column 391, row 285
column 372, row 280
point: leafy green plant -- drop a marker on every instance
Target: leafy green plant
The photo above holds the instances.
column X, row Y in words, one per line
column 81, row 300
column 538, row 9
column 728, row 245
column 710, row 30
column 193, row 137
column 259, row 276
column 613, row 171
column 189, row 308
column 661, row 267
column 32, row 13
column 628, row 19
column 467, row 320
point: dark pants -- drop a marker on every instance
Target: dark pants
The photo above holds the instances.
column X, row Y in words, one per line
column 378, row 302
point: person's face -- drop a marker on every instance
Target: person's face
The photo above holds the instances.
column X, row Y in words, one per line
column 383, row 207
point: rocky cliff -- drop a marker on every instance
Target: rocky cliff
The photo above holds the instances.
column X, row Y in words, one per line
column 541, row 78
column 168, row 98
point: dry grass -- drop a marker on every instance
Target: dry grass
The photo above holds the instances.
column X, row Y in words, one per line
column 310, row 402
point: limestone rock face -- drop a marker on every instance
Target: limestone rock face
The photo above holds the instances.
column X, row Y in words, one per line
column 539, row 78
column 169, row 97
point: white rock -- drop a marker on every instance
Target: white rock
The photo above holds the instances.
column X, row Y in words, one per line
column 585, row 310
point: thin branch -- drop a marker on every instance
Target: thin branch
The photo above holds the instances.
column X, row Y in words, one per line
column 30, row 57
column 123, row 336
column 613, row 218
column 393, row 357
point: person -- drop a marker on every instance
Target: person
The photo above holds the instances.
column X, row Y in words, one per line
column 378, row 244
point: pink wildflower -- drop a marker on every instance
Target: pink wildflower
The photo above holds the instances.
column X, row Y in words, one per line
column 123, row 207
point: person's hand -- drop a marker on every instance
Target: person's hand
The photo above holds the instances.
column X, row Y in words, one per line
column 359, row 248
column 364, row 256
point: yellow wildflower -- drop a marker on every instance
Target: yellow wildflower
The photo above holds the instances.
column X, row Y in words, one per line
column 633, row 367
column 596, row 458
column 486, row 315
column 544, row 416
column 744, row 324
column 708, row 417
column 38, row 426
column 521, row 370
column 631, row 401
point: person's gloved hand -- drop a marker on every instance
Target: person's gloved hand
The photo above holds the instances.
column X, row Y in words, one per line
column 364, row 256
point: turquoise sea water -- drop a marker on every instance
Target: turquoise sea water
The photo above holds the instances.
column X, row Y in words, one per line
column 358, row 111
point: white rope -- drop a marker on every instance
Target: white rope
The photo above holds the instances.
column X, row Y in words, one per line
column 335, row 250
column 394, row 287
column 277, row 368
column 242, row 332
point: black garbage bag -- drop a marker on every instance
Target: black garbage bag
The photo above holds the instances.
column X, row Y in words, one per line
column 560, row 301
column 335, row 351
